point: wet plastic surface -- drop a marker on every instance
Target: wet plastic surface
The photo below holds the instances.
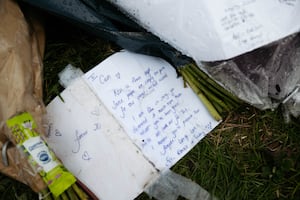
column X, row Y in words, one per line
column 106, row 21
column 264, row 77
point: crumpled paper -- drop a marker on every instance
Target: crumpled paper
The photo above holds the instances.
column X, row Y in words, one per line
column 21, row 48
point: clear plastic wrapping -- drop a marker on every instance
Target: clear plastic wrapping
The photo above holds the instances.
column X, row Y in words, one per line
column 265, row 77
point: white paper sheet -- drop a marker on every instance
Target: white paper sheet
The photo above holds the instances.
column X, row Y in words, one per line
column 210, row 30
column 94, row 147
column 164, row 119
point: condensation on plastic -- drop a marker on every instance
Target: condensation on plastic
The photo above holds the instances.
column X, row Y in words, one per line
column 169, row 186
column 264, row 77
column 292, row 104
column 293, row 107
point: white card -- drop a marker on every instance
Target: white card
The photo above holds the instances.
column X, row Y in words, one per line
column 164, row 119
column 94, row 147
column 210, row 30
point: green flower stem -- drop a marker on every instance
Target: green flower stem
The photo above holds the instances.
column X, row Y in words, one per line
column 212, row 97
column 64, row 196
column 81, row 194
column 212, row 89
column 46, row 194
column 71, row 194
column 212, row 82
column 211, row 109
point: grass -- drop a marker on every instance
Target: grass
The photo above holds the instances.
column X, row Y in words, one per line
column 252, row 155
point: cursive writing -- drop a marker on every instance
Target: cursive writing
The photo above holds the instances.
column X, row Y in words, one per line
column 77, row 140
column 57, row 132
column 49, row 130
column 86, row 156
column 97, row 126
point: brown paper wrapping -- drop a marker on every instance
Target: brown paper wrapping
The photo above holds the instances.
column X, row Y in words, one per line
column 21, row 50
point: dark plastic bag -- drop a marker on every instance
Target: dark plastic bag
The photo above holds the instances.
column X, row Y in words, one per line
column 101, row 18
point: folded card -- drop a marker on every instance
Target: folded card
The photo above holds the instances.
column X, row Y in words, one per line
column 125, row 120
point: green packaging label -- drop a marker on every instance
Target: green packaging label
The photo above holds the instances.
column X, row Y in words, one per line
column 55, row 175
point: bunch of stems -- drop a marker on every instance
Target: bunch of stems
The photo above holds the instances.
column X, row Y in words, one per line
column 72, row 193
column 216, row 99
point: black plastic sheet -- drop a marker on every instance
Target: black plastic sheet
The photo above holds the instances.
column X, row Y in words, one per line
column 104, row 20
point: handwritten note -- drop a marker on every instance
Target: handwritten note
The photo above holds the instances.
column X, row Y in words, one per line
column 94, row 147
column 164, row 119
column 210, row 30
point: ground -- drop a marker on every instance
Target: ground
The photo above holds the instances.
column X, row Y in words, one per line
column 252, row 154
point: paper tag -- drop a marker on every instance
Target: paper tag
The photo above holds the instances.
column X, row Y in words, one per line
column 37, row 148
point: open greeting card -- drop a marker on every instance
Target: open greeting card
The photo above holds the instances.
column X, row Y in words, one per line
column 120, row 124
